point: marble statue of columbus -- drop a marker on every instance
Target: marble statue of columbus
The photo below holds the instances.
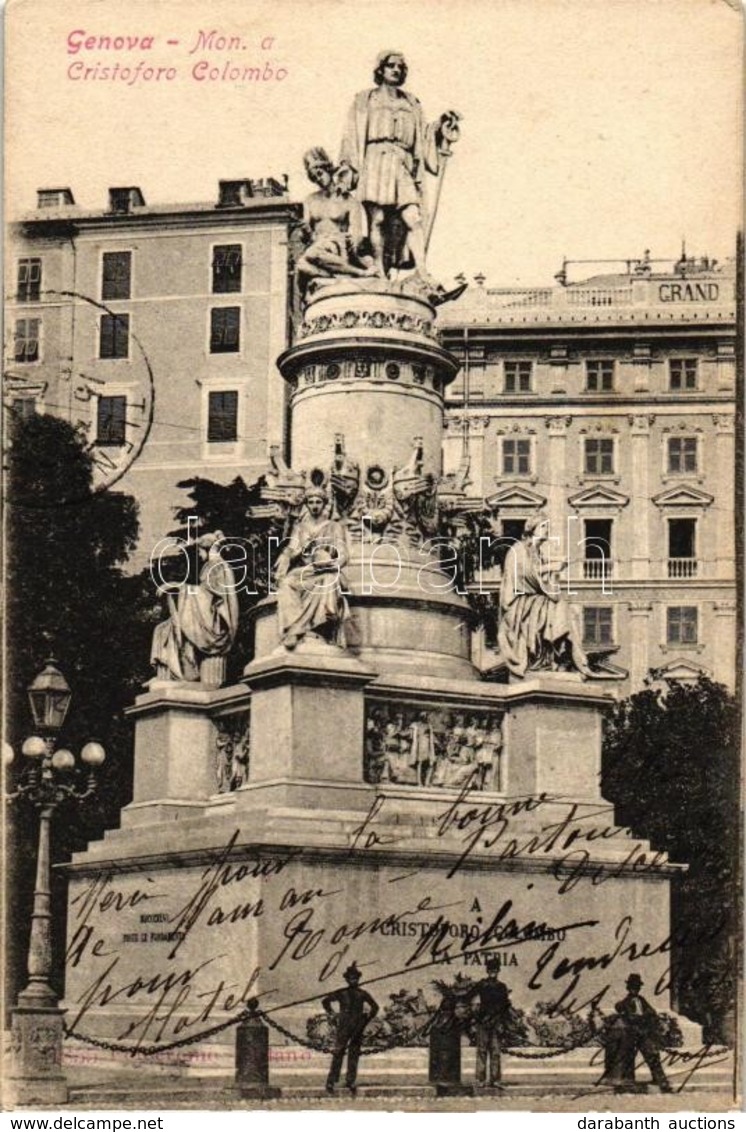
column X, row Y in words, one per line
column 390, row 146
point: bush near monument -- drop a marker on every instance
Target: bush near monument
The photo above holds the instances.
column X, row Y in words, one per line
column 407, row 1018
column 671, row 768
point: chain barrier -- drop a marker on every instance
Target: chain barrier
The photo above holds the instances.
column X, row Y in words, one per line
column 307, row 1043
column 161, row 1047
column 513, row 1051
column 321, row 1047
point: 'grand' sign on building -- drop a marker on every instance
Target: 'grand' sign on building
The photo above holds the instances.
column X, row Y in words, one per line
column 689, row 292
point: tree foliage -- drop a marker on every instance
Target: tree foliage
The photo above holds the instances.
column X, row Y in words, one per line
column 66, row 590
column 671, row 767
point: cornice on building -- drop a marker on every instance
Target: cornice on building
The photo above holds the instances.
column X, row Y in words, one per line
column 70, row 221
column 528, row 405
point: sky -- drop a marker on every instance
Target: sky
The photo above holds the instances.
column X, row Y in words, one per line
column 592, row 129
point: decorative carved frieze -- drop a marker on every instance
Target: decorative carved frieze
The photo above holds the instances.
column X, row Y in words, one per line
column 367, row 319
column 641, row 423
column 724, row 423
column 366, row 369
column 433, row 748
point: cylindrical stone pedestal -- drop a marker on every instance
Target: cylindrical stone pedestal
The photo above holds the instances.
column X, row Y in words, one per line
column 368, row 376
column 367, row 365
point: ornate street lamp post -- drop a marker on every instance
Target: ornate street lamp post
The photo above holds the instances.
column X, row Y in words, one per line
column 37, row 1031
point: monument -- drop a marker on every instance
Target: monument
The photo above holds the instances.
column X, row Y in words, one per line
column 364, row 795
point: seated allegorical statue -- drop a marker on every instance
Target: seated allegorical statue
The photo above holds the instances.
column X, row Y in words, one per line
column 203, row 618
column 310, row 578
column 537, row 630
column 333, row 224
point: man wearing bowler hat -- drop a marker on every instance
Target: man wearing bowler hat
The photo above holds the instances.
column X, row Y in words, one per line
column 643, row 1032
column 355, row 1009
column 492, row 1017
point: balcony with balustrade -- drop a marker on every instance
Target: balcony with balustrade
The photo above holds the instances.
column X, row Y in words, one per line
column 597, row 569
column 682, row 568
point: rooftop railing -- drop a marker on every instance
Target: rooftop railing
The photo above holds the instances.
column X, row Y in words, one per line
column 649, row 300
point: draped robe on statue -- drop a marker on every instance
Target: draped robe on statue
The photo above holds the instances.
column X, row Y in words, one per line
column 389, row 144
column 533, row 620
column 203, row 622
column 310, row 582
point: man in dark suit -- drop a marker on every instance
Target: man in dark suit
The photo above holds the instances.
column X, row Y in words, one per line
column 355, row 1009
column 642, row 1031
column 492, row 1017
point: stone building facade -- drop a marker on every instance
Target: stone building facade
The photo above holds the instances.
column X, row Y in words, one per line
column 155, row 329
column 610, row 404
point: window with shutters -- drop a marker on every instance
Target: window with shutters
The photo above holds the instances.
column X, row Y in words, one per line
column 598, row 625
column 29, row 280
column 226, row 268
column 516, row 457
column 598, row 456
column 597, row 562
column 682, row 454
column 222, row 416
column 116, row 276
column 26, row 345
column 111, row 422
column 114, row 336
column 682, row 548
column 681, row 625
column 224, row 330
column 23, row 407
column 517, row 377
column 599, row 376
column 682, row 374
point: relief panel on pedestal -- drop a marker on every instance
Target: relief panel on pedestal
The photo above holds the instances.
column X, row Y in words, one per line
column 433, row 747
column 232, row 751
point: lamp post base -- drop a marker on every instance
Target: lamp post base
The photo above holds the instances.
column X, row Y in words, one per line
column 36, row 1077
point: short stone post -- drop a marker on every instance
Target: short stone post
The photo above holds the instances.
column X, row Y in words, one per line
column 252, row 1055
column 444, row 1067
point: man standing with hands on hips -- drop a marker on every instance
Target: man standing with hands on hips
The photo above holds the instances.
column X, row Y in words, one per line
column 642, row 1027
column 355, row 1009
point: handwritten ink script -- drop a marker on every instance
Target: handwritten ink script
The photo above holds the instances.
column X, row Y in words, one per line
column 170, row 954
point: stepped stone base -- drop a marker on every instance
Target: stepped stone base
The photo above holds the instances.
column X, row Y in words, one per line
column 99, row 1079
